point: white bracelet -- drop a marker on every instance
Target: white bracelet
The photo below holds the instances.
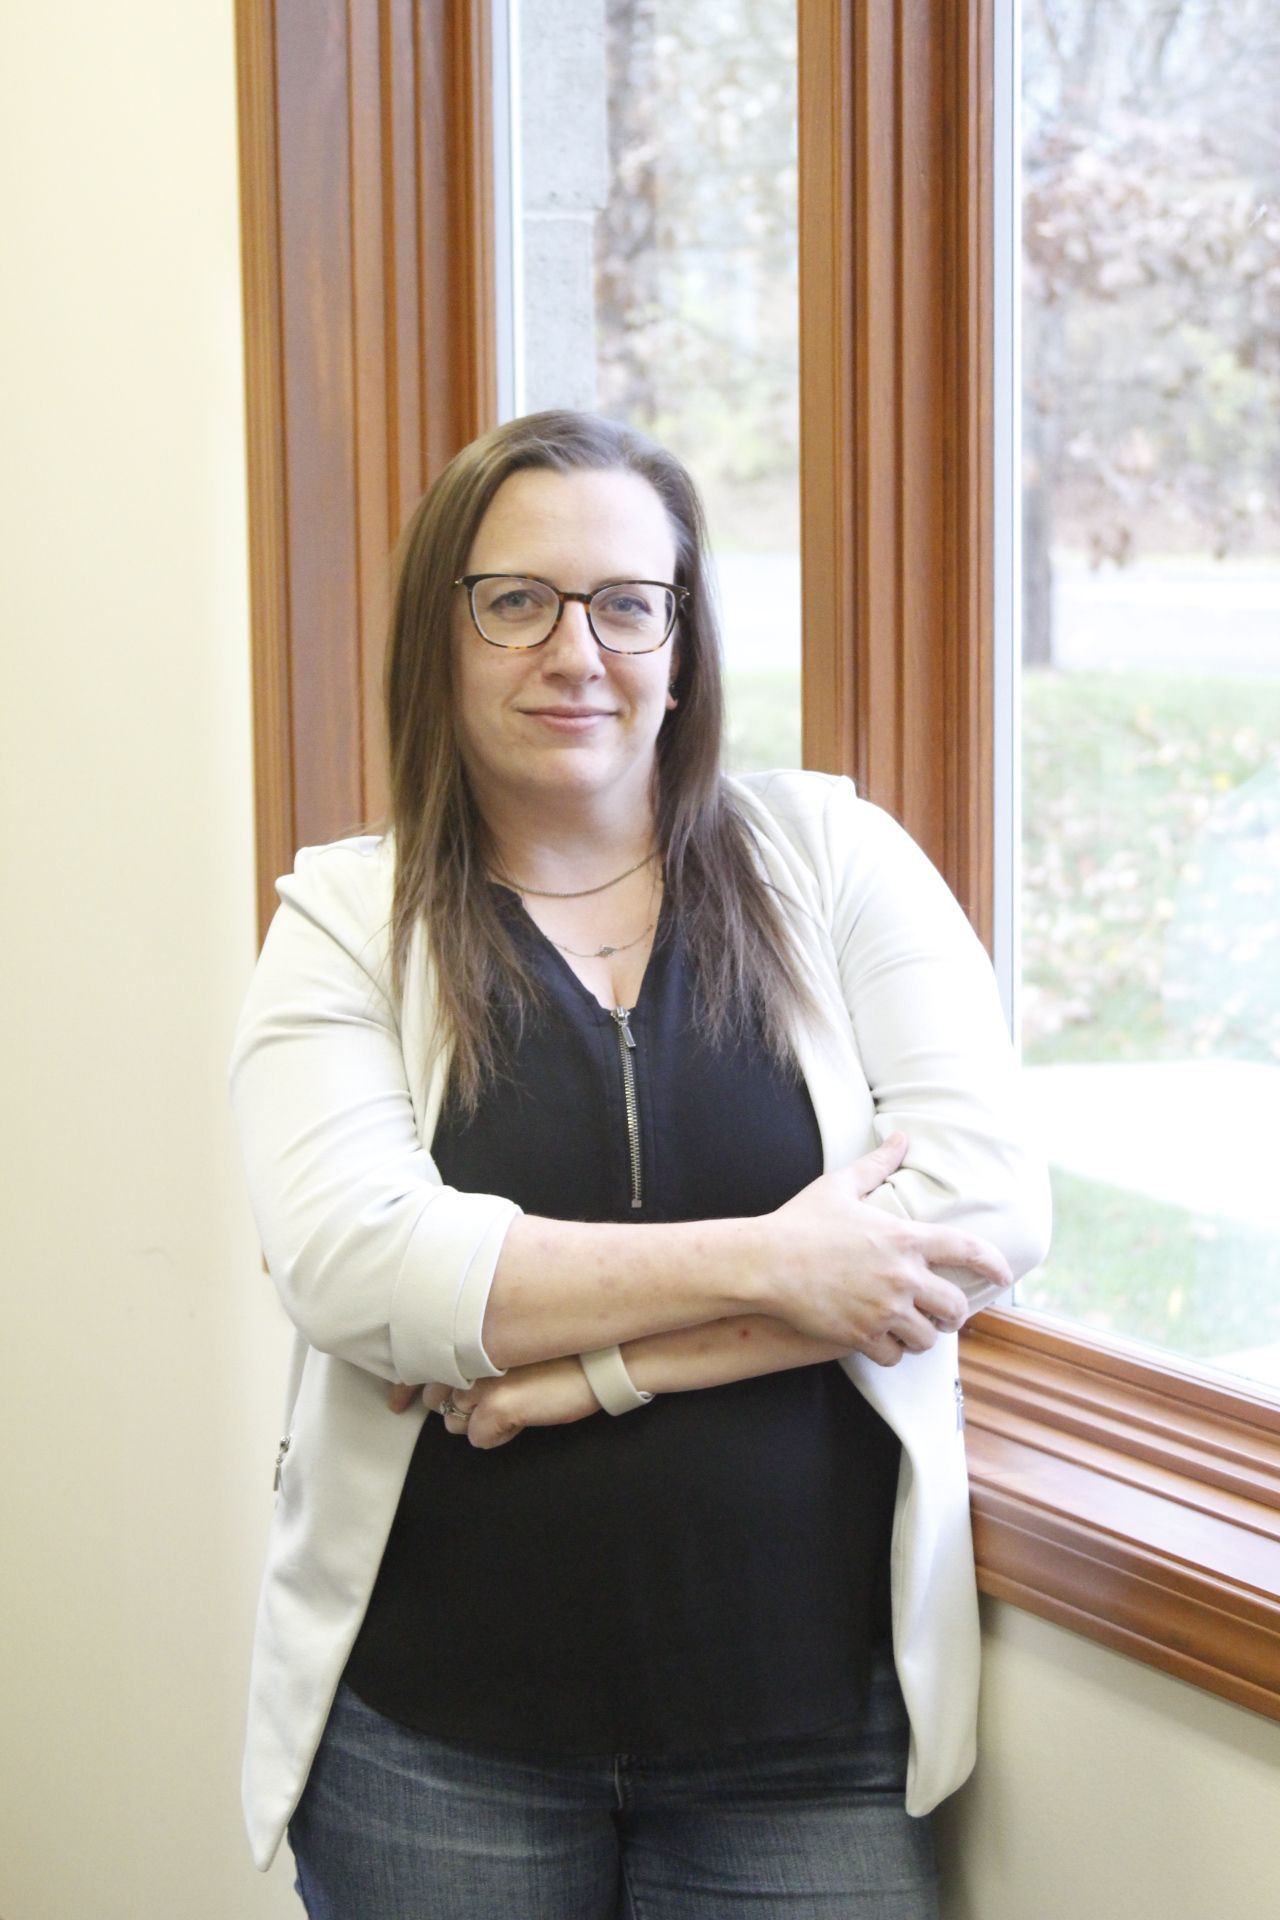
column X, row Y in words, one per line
column 612, row 1385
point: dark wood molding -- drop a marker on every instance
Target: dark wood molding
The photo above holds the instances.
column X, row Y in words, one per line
column 895, row 333
column 1131, row 1499
column 264, row 424
column 368, row 273
column 827, row 370
column 455, row 173
column 970, row 636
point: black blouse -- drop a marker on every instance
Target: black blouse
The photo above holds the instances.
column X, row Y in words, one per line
column 710, row 1569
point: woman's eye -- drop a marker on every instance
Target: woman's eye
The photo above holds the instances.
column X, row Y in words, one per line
column 515, row 603
column 625, row 606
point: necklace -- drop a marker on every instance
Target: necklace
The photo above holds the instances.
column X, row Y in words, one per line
column 607, row 951
column 580, row 893
column 604, row 953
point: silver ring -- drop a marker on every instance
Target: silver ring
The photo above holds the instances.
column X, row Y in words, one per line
column 459, row 1413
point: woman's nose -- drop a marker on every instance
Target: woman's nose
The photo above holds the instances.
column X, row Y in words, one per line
column 572, row 647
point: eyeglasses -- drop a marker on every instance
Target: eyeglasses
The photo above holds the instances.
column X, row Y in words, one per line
column 626, row 616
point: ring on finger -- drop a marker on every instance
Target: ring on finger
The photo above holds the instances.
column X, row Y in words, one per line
column 447, row 1407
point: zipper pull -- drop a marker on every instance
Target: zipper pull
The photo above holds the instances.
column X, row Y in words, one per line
column 959, row 1408
column 623, row 1017
column 284, row 1448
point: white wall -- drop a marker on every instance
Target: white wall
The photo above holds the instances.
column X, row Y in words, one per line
column 1108, row 1791
column 141, row 1361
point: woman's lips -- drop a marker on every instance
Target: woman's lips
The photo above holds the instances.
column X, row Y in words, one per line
column 568, row 719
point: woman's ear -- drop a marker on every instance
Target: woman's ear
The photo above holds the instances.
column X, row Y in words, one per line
column 672, row 677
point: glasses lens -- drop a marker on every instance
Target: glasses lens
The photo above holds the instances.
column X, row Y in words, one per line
column 633, row 616
column 512, row 612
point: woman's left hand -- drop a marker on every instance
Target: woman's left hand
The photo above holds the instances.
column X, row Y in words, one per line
column 548, row 1393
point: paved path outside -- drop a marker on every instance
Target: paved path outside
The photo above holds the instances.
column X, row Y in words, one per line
column 1177, row 615
column 760, row 612
column 1201, row 1134
column 1190, row 616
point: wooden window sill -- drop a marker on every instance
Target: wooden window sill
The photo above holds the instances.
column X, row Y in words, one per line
column 1129, row 1498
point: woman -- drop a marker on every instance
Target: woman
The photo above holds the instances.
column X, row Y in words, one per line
column 560, row 1103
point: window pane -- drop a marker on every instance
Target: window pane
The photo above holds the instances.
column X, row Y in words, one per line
column 657, row 222
column 1150, row 990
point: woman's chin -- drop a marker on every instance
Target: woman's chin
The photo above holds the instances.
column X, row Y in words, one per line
column 567, row 770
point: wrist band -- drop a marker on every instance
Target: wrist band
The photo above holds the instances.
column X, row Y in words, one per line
column 612, row 1385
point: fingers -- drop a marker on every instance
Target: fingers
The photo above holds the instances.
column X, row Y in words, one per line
column 941, row 1303
column 911, row 1332
column 873, row 1169
column 938, row 1246
column 464, row 1411
column 933, row 1306
column 474, row 1413
column 885, row 1351
column 454, row 1404
column 456, row 1412
column 951, row 1247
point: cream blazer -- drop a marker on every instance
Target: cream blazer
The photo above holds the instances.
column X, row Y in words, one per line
column 385, row 1271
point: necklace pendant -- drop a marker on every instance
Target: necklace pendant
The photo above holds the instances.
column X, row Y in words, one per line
column 605, row 952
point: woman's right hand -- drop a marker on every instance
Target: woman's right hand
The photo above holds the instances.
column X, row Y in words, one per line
column 850, row 1273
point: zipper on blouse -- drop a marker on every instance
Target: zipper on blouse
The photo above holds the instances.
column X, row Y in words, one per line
column 284, row 1448
column 626, row 1047
column 959, row 1408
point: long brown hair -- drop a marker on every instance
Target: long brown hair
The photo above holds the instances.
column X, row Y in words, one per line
column 741, row 956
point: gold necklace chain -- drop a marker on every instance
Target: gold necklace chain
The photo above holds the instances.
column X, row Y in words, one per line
column 581, row 893
column 604, row 953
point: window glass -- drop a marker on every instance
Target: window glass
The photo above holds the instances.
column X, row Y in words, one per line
column 1150, row 706
column 655, row 220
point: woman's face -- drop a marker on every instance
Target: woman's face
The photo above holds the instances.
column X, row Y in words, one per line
column 566, row 721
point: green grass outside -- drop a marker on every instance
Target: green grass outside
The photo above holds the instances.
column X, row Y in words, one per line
column 1151, row 867
column 1195, row 1283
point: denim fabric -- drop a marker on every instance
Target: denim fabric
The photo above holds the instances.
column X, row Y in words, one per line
column 397, row 1825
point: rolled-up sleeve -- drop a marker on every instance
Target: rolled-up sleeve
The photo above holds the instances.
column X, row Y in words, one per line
column 931, row 1034
column 375, row 1259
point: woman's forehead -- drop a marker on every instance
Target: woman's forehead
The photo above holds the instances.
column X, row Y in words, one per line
column 539, row 519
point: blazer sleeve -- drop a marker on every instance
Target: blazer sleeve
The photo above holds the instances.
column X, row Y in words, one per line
column 375, row 1259
column 931, row 1034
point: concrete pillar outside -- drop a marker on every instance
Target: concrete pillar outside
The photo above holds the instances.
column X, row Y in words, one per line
column 564, row 157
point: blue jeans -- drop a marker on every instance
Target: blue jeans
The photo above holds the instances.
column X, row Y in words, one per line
column 397, row 1825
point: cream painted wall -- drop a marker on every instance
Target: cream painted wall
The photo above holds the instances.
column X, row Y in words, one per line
column 142, row 1359
column 1107, row 1791
column 143, row 1353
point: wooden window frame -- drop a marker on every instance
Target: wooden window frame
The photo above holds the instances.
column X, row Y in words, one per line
column 1132, row 1500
